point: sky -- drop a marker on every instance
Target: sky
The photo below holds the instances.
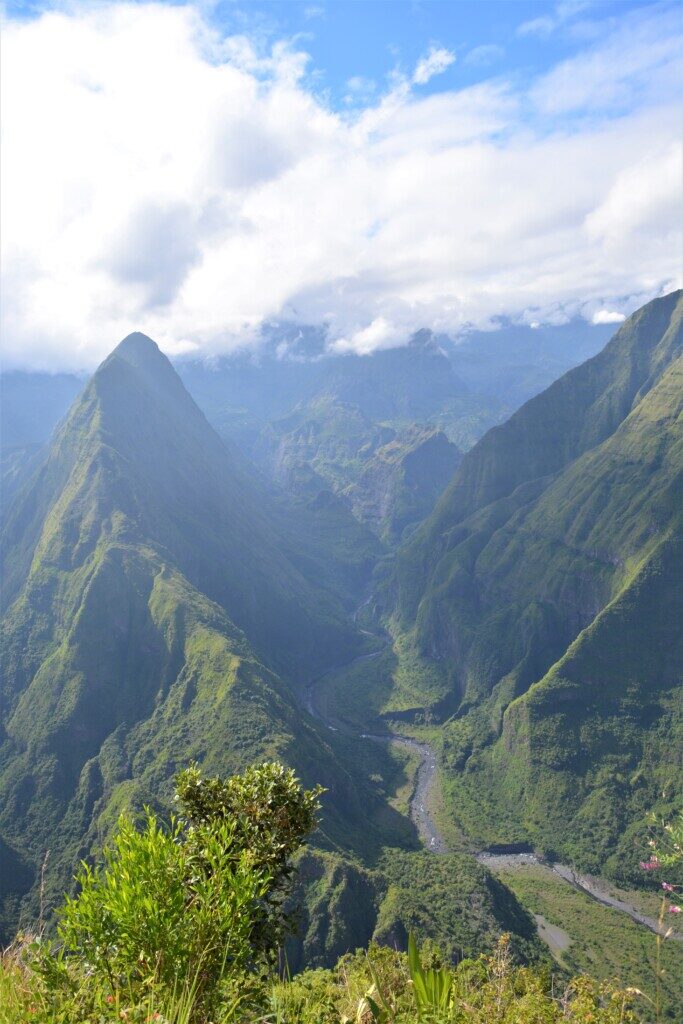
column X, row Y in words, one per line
column 193, row 170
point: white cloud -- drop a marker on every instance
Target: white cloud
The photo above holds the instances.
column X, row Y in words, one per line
column 607, row 316
column 433, row 63
column 483, row 56
column 161, row 178
column 641, row 60
column 379, row 334
column 546, row 24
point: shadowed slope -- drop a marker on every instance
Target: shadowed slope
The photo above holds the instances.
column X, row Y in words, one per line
column 153, row 613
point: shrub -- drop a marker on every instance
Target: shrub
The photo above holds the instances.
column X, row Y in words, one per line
column 399, row 989
column 270, row 815
column 191, row 912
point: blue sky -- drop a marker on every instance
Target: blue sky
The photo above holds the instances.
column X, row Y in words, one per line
column 191, row 169
column 369, row 40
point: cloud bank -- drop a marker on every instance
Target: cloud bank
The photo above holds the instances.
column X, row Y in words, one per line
column 157, row 176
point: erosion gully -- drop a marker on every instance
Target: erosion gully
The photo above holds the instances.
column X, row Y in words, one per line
column 421, row 816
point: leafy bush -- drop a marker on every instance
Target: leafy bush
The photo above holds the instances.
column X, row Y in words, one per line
column 401, row 989
column 187, row 915
column 270, row 815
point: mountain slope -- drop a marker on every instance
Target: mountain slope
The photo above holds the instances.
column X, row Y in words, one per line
column 136, row 454
column 557, row 544
column 153, row 612
column 574, row 414
column 389, row 477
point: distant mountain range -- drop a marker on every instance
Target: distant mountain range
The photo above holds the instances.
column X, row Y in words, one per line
column 382, row 432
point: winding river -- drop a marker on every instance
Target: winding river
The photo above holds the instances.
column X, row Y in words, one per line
column 429, row 833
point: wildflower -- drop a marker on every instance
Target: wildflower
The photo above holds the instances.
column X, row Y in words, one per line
column 651, row 864
column 667, row 888
column 674, row 910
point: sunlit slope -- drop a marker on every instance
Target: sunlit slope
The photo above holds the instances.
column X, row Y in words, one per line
column 136, row 459
column 548, row 582
column 576, row 413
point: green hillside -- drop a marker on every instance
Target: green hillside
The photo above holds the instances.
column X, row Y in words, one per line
column 382, row 432
column 135, row 560
column 544, row 596
column 390, row 477
column 160, row 606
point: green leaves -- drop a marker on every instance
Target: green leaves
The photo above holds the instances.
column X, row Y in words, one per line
column 270, row 815
column 192, row 907
column 432, row 988
column 163, row 914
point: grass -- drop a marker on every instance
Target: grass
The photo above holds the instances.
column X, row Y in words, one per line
column 605, row 943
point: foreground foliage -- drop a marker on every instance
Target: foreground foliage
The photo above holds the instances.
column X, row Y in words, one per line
column 386, row 987
column 380, row 986
column 183, row 920
column 183, row 923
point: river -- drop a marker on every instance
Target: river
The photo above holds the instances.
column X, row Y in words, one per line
column 433, row 840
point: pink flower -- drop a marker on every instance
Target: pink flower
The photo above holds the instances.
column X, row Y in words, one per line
column 674, row 910
column 667, row 888
column 651, row 864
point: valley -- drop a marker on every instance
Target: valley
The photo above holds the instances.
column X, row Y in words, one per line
column 442, row 638
column 500, row 862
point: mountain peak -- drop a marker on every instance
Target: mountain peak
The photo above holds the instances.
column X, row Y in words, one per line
column 143, row 355
column 138, row 349
column 424, row 339
column 135, row 371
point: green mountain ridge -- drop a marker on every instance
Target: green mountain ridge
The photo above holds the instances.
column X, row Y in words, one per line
column 389, row 477
column 133, row 560
column 544, row 594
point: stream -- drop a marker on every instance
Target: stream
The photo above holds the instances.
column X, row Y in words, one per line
column 430, row 835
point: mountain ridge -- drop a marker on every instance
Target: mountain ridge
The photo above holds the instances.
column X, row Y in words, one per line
column 538, row 547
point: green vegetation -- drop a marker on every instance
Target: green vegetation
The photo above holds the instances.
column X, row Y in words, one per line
column 158, row 608
column 182, row 924
column 189, row 914
column 387, row 987
column 603, row 943
column 536, row 612
column 162, row 606
column 389, row 474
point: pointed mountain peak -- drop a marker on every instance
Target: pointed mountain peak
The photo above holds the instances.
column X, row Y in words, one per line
column 423, row 339
column 139, row 350
column 138, row 358
column 143, row 354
